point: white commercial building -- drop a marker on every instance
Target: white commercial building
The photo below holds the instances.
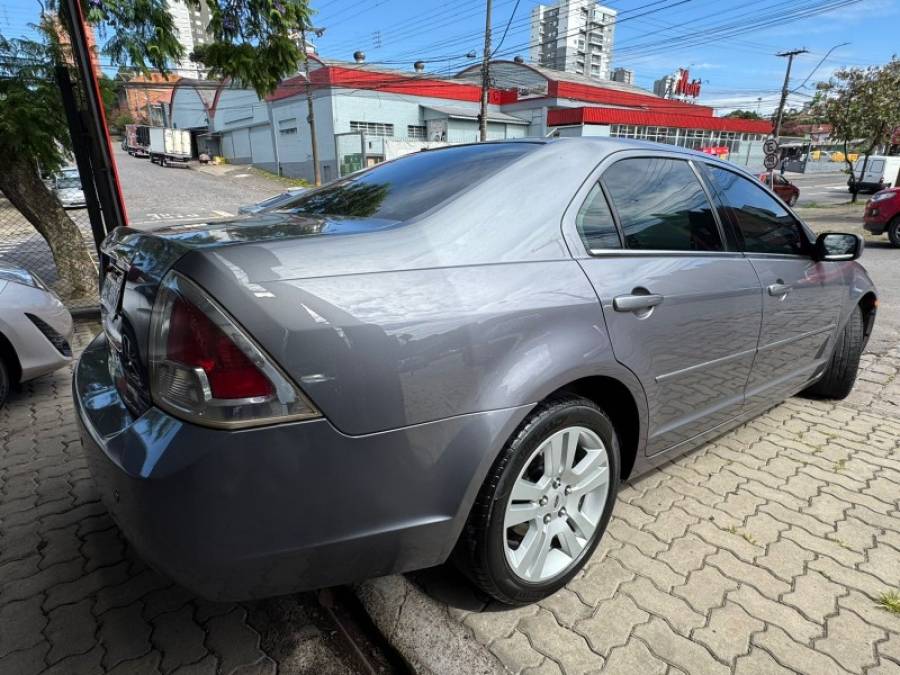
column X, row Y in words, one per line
column 192, row 25
column 575, row 36
column 366, row 114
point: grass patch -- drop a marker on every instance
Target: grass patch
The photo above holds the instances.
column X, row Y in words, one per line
column 890, row 601
column 284, row 180
column 841, row 543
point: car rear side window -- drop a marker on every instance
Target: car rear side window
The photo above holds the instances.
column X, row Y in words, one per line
column 661, row 205
column 595, row 222
column 409, row 186
column 764, row 225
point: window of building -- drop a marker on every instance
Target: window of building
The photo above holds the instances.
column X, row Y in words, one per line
column 672, row 215
column 595, row 222
column 416, row 131
column 763, row 224
column 287, row 126
column 373, row 128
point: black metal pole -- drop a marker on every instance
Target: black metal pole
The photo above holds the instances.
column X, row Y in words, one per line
column 103, row 168
column 82, row 150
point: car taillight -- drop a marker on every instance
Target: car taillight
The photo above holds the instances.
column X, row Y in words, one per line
column 204, row 368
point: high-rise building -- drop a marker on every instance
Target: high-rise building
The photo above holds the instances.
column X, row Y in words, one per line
column 625, row 75
column 575, row 36
column 193, row 30
column 664, row 87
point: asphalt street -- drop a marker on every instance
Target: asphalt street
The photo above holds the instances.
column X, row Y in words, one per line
column 155, row 194
column 822, row 189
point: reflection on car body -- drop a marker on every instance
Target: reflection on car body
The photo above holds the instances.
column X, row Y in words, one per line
column 464, row 349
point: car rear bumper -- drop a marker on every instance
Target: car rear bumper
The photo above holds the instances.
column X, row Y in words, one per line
column 244, row 514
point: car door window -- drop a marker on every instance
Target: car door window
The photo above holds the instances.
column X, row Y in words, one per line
column 595, row 222
column 762, row 223
column 661, row 205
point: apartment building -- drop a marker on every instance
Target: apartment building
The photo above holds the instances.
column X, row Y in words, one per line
column 574, row 36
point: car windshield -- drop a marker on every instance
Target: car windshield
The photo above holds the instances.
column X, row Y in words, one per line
column 408, row 187
column 65, row 183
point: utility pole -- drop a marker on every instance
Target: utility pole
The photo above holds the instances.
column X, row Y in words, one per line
column 784, row 94
column 784, row 90
column 311, row 116
column 485, row 74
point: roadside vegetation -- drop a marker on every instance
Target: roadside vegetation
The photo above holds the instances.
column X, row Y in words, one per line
column 252, row 44
column 862, row 106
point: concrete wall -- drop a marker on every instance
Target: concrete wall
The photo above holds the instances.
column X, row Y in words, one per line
column 292, row 136
column 243, row 120
column 247, row 134
column 188, row 110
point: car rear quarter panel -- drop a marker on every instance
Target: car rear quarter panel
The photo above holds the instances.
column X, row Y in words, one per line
column 387, row 350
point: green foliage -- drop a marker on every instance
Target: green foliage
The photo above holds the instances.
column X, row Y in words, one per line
column 32, row 120
column 890, row 601
column 861, row 104
column 252, row 39
column 744, row 115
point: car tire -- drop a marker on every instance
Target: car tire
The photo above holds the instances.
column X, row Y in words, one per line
column 4, row 381
column 893, row 232
column 840, row 373
column 489, row 548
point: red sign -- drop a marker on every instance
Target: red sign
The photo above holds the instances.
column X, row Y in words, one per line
column 717, row 150
column 684, row 87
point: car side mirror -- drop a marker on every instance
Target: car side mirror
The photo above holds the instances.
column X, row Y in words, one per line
column 834, row 246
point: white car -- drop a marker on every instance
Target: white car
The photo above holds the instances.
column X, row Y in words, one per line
column 35, row 329
column 67, row 188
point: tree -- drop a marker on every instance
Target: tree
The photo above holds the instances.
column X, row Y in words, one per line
column 744, row 115
column 252, row 44
column 253, row 41
column 863, row 106
column 32, row 136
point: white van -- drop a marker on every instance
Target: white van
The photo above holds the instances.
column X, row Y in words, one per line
column 881, row 172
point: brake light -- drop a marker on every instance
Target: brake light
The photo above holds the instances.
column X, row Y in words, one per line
column 203, row 367
column 196, row 342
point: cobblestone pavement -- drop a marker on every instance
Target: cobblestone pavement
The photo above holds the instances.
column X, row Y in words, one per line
column 766, row 551
column 74, row 598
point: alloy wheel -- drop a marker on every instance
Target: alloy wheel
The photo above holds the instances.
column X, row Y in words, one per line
column 555, row 504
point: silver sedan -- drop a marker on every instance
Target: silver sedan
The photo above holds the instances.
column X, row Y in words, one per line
column 463, row 351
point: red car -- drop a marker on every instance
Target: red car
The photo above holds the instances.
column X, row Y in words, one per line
column 883, row 214
column 784, row 188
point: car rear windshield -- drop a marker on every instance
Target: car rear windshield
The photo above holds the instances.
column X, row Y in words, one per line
column 409, row 186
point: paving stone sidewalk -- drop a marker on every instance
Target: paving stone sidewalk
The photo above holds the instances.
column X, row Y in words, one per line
column 74, row 597
column 766, row 551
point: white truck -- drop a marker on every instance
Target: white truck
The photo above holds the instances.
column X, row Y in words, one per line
column 882, row 171
column 169, row 145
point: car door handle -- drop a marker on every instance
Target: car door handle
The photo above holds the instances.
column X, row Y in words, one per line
column 778, row 290
column 634, row 303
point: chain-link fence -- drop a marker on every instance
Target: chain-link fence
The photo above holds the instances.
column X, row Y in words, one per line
column 22, row 246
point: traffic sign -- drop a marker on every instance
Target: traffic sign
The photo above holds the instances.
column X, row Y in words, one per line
column 770, row 161
column 770, row 146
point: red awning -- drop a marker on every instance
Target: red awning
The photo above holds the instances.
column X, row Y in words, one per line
column 566, row 116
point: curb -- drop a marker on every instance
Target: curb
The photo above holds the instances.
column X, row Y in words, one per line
column 422, row 630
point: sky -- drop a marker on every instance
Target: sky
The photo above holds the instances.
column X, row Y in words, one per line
column 730, row 45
